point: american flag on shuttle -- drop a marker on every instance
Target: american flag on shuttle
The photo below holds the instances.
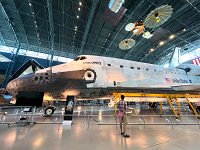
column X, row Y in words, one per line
column 196, row 61
column 168, row 80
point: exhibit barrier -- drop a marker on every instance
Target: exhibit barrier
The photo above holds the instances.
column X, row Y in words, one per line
column 22, row 116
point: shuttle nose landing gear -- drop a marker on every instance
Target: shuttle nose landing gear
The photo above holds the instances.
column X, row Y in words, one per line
column 49, row 110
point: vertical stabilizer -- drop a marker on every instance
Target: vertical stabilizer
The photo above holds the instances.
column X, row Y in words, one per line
column 175, row 59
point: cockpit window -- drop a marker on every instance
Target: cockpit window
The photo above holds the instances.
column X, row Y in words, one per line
column 76, row 59
column 82, row 58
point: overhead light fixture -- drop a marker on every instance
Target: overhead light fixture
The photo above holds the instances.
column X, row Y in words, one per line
column 79, row 9
column 80, row 3
column 171, row 36
column 77, row 16
column 161, row 43
column 152, row 49
column 75, row 27
column 35, row 22
column 29, row 4
column 184, row 30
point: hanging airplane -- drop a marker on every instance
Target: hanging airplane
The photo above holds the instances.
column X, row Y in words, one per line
column 95, row 76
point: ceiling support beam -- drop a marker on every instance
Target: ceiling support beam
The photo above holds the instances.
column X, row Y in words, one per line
column 7, row 20
column 91, row 15
column 9, row 70
column 19, row 24
column 51, row 30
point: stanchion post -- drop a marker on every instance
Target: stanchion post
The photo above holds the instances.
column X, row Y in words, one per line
column 161, row 108
column 171, row 122
column 88, row 121
column 144, row 121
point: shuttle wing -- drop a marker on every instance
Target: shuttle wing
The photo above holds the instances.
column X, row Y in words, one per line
column 186, row 87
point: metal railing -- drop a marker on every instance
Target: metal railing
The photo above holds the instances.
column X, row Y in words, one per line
column 86, row 119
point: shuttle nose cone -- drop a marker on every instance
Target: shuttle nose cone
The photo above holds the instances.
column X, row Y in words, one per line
column 12, row 87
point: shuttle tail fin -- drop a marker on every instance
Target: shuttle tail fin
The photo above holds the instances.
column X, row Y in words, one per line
column 175, row 59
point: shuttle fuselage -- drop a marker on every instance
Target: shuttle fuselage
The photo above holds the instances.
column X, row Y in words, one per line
column 89, row 76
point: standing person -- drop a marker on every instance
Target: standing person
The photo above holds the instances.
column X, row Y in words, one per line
column 122, row 107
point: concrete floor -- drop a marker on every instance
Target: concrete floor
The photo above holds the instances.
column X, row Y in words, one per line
column 106, row 137
column 101, row 137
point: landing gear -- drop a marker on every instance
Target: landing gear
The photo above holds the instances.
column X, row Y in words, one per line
column 49, row 110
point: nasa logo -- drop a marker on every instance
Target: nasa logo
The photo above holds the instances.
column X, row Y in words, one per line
column 179, row 81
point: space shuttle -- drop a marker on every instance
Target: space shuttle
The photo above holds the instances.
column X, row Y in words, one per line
column 90, row 76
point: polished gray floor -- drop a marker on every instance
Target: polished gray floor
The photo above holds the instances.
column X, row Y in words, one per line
column 84, row 136
column 107, row 137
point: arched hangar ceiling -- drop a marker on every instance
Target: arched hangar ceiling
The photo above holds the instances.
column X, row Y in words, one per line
column 70, row 27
